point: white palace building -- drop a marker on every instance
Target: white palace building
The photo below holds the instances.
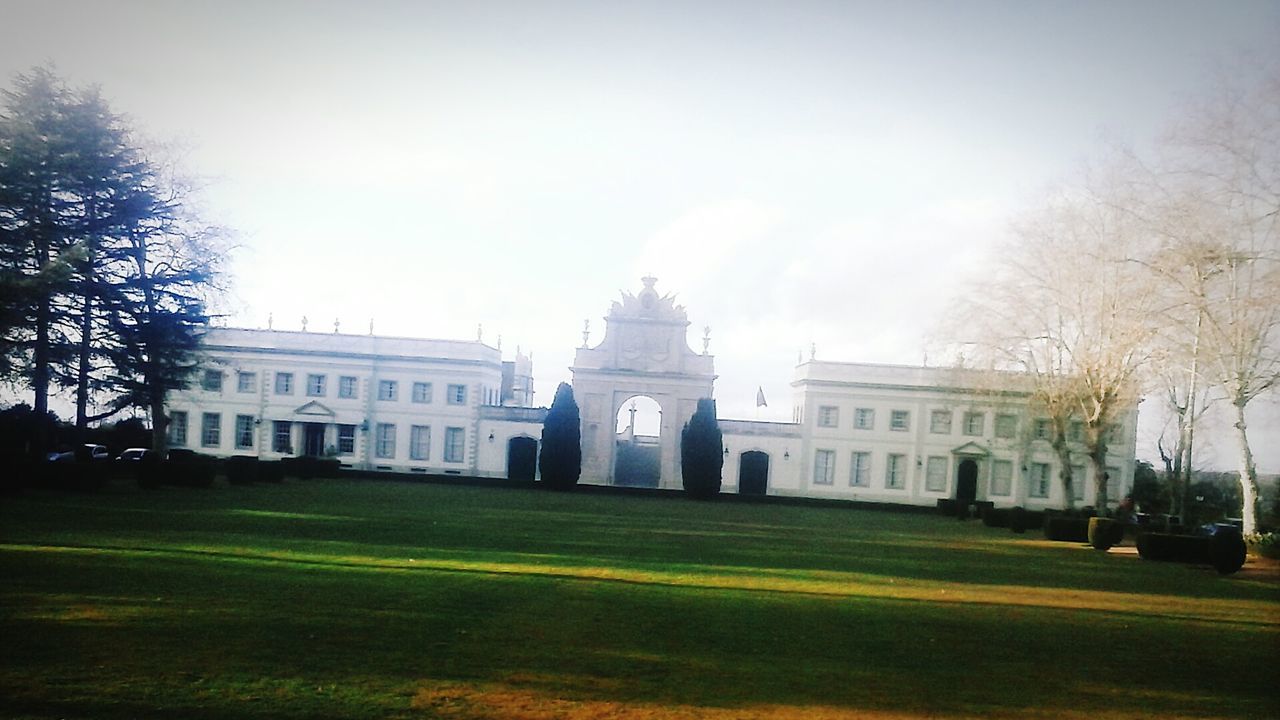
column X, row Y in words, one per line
column 877, row 433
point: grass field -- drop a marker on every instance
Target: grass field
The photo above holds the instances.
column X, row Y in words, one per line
column 378, row 599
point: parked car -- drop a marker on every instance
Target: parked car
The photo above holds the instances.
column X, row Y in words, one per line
column 137, row 454
column 89, row 451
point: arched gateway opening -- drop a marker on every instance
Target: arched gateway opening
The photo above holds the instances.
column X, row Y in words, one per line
column 753, row 473
column 637, row 459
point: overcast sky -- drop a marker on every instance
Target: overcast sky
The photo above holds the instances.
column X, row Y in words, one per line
column 799, row 173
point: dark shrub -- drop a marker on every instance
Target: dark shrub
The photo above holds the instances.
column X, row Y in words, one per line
column 560, row 463
column 996, row 517
column 947, row 506
column 1063, row 528
column 190, row 469
column 982, row 507
column 1227, row 551
column 1105, row 533
column 1175, row 548
column 241, row 469
column 149, row 472
column 271, row 471
column 702, row 452
column 1018, row 520
column 308, row 467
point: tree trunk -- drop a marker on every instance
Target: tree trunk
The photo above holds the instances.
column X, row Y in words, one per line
column 1064, row 462
column 1098, row 458
column 82, row 373
column 1251, row 507
column 159, row 425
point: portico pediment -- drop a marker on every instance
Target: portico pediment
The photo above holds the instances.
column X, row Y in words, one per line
column 314, row 408
column 971, row 449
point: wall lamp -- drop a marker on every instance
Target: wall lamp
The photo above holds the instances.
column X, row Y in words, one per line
column 786, row 454
column 490, row 436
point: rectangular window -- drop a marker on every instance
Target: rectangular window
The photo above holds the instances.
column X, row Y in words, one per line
column 975, row 424
column 387, row 390
column 940, row 422
column 282, row 436
column 284, row 383
column 895, row 475
column 935, row 475
column 211, row 381
column 420, row 442
column 211, row 430
column 246, row 382
column 1077, row 482
column 455, row 439
column 422, row 392
column 315, row 385
column 824, row 467
column 1006, row 426
column 900, row 420
column 178, row 428
column 860, row 470
column 457, row 394
column 346, row 386
column 1115, row 434
column 1075, row 431
column 828, row 416
column 244, row 431
column 1001, row 477
column 1042, row 429
column 346, row 439
column 1039, row 480
column 864, row 419
column 385, row 442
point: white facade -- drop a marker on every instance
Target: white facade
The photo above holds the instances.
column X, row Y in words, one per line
column 378, row 403
column 909, row 434
column 876, row 433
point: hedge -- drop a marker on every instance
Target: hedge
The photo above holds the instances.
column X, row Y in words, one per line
column 1174, row 548
column 1062, row 528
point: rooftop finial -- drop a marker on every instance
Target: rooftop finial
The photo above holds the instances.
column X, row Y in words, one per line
column 586, row 331
column 304, row 323
column 336, row 324
column 370, row 326
column 271, row 318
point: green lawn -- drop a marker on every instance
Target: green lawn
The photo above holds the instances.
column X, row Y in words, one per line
column 378, row 599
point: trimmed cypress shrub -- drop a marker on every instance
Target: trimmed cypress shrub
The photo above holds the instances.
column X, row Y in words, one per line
column 947, row 506
column 1063, row 528
column 702, row 452
column 560, row 463
column 1104, row 533
column 1227, row 551
column 982, row 507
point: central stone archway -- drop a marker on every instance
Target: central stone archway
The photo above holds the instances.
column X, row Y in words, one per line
column 645, row 351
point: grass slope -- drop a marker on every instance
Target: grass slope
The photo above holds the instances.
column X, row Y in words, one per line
column 373, row 599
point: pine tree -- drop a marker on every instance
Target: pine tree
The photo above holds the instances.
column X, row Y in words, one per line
column 561, row 460
column 702, row 452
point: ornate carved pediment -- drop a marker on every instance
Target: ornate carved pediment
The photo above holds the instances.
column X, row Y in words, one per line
column 648, row 305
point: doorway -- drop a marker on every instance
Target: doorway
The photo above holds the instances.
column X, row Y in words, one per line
column 313, row 439
column 522, row 458
column 967, row 481
column 753, row 473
